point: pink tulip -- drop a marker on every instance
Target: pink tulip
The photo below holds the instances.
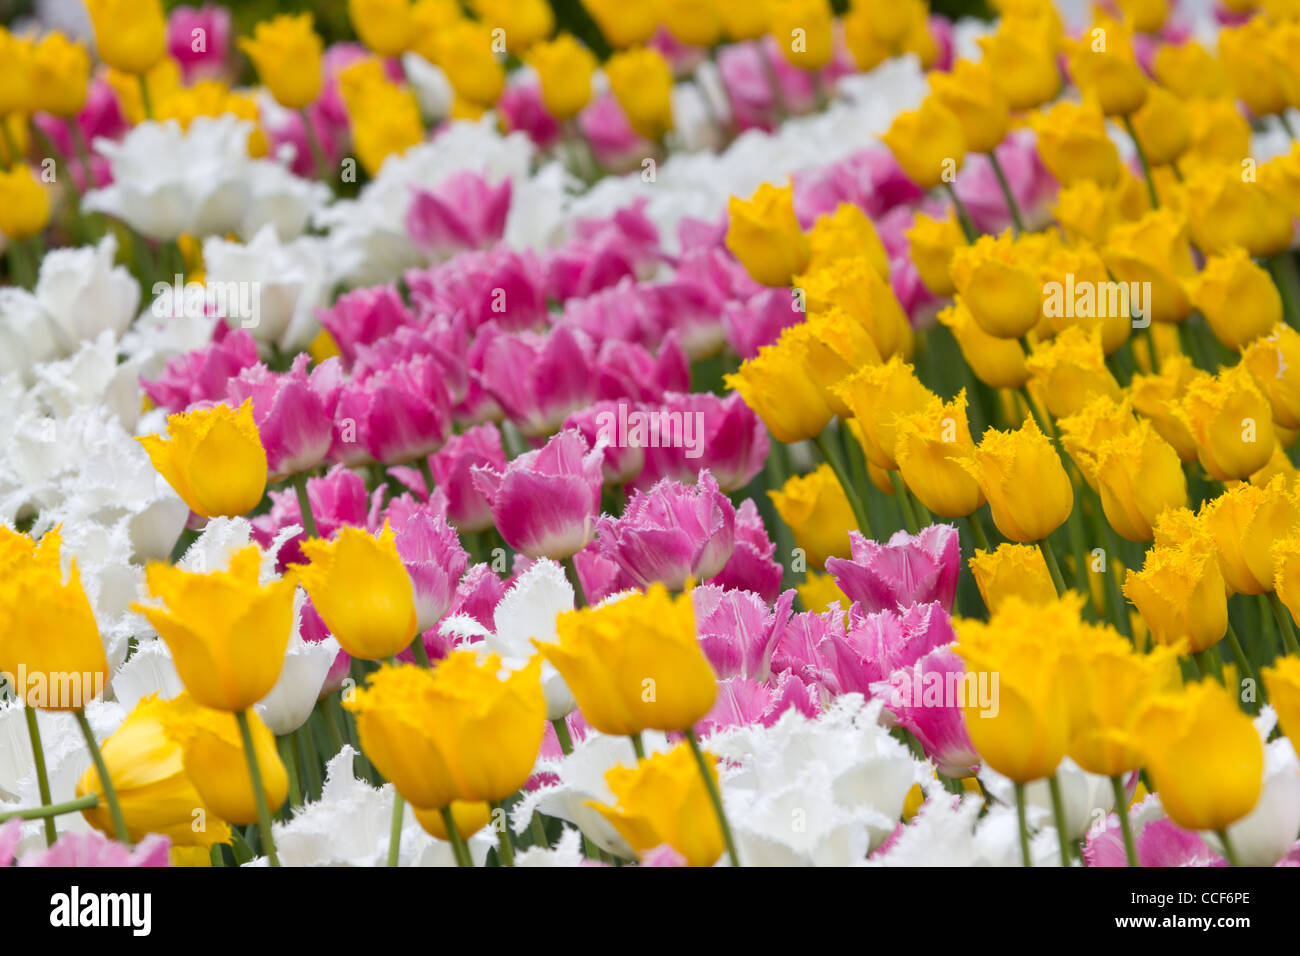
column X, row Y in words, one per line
column 90, row 849
column 499, row 285
column 434, row 560
column 338, row 498
column 742, row 702
column 750, row 567
column 631, row 372
column 203, row 375
column 623, row 312
column 545, row 502
column 879, row 643
column 758, row 320
column 1031, row 184
column 521, row 109
column 199, row 40
column 539, row 379
column 910, row 569
column 870, row 178
column 1160, row 842
column 293, row 410
column 452, row 468
column 738, row 632
column 937, row 721
column 362, row 317
column 623, row 460
column 723, row 435
column 464, row 211
column 671, row 534
column 616, row 146
column 398, row 415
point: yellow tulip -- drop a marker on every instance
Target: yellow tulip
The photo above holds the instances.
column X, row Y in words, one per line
column 1220, row 134
column 1237, row 298
column 1224, row 210
column 457, row 733
column 524, row 22
column 1181, row 595
column 1157, row 397
column 1078, row 293
column 1282, row 681
column 970, row 91
column 213, row 458
column 1022, row 55
column 1139, row 476
column 1073, row 143
column 818, row 513
column 764, row 235
column 287, row 53
column 1154, row 249
column 834, row 347
column 1087, row 212
column 878, row 396
column 24, row 203
column 623, row 24
column 642, row 82
column 1231, row 422
column 1163, row 126
column 664, row 800
column 1116, row 683
column 820, row 592
column 998, row 362
column 360, row 587
column 776, row 386
column 385, row 118
column 1102, row 65
column 1189, row 70
column 469, row 817
column 1274, row 364
column 692, row 22
column 130, row 35
column 148, row 774
column 1097, row 422
column 47, row 626
column 802, row 29
column 1242, row 50
column 928, row 143
column 1012, row 570
column 927, row 446
column 60, row 76
column 1070, row 370
column 635, row 664
column 386, row 26
column 227, row 632
column 998, row 279
column 212, row 751
column 564, row 69
column 464, row 51
column 1245, row 522
column 1204, row 755
column 931, row 243
column 853, row 285
column 845, row 234
column 1144, row 16
column 1006, row 464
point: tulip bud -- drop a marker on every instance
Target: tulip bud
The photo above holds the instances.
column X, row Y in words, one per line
column 764, row 235
column 928, row 143
column 1006, row 464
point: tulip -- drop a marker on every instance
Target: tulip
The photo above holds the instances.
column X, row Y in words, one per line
column 834, row 346
column 1012, row 570
column 1139, row 476
column 1116, row 683
column 564, row 68
column 1154, row 249
column 853, row 285
column 775, row 384
column 1250, row 74
column 60, row 76
column 1002, row 290
column 642, row 82
column 1231, row 422
column 927, row 445
column 803, row 30
column 545, row 502
column 24, row 203
column 928, row 143
column 464, row 51
column 818, row 513
column 1156, row 397
column 146, row 769
column 879, row 396
column 764, row 235
column 287, row 54
column 1274, row 364
column 435, row 561
column 227, row 633
column 623, row 24
column 1073, row 143
column 846, row 233
column 213, row 458
column 1022, row 55
column 1163, row 126
column 468, row 816
column 909, row 569
column 671, row 534
column 212, row 753
column 1007, row 463
column 1070, row 370
column 458, row 732
column 292, row 410
column 1282, row 681
column 1180, row 593
column 998, row 362
column 1107, row 72
column 1203, row 755
column 971, row 92
column 1223, row 210
column 1027, row 737
column 361, row 590
column 1087, row 212
column 464, row 211
column 385, row 118
column 635, row 664
column 386, row 26
column 931, row 244
column 452, row 468
column 539, row 381
column 1237, row 298
column 129, row 36
column 732, row 445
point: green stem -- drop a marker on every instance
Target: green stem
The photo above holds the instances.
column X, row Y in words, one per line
column 714, row 796
column 904, row 502
column 977, row 531
column 110, row 792
column 638, row 745
column 395, row 828
column 317, row 151
column 145, row 99
column 1058, row 811
column 289, row 754
column 1229, row 851
column 1121, row 808
column 11, row 148
column 1052, row 566
column 538, row 830
column 579, row 595
column 42, row 778
column 505, row 846
column 421, row 652
column 259, row 793
column 1284, row 623
column 1025, row 858
column 562, row 734
column 459, row 850
column 967, row 224
column 51, row 810
column 1239, row 655
column 837, row 465
column 304, row 504
column 1142, row 158
column 1005, row 186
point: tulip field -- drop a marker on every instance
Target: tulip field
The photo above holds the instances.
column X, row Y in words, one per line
column 649, row 433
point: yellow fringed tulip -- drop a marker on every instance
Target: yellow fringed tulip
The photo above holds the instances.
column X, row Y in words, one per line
column 525, row 22
column 931, row 243
column 1008, row 466
column 1073, row 143
column 1237, row 298
column 1022, row 55
column 1224, row 210
column 971, row 93
column 360, row 587
column 1204, row 755
column 998, row 280
column 1102, row 65
column 1139, row 476
column 764, row 235
column 1274, row 364
column 775, row 384
column 1157, row 396
column 663, row 799
column 819, row 592
column 878, row 396
column 997, row 362
column 1163, row 126
column 834, row 347
column 927, row 445
column 469, row 817
column 1282, row 681
column 1012, row 570
column 854, row 285
column 1115, row 684
column 846, row 233
column 1087, row 212
column 623, row 24
column 1180, row 593
column 130, row 35
column 635, row 664
column 1070, row 370
column 928, row 143
column 24, row 203
column 464, row 51
column 385, row 117
column 287, row 53
column 1231, row 421
column 803, row 31
column 1189, row 70
column 818, row 513
column 386, row 26
column 1154, row 249
column 60, row 76
column 1243, row 53
column 213, row 458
